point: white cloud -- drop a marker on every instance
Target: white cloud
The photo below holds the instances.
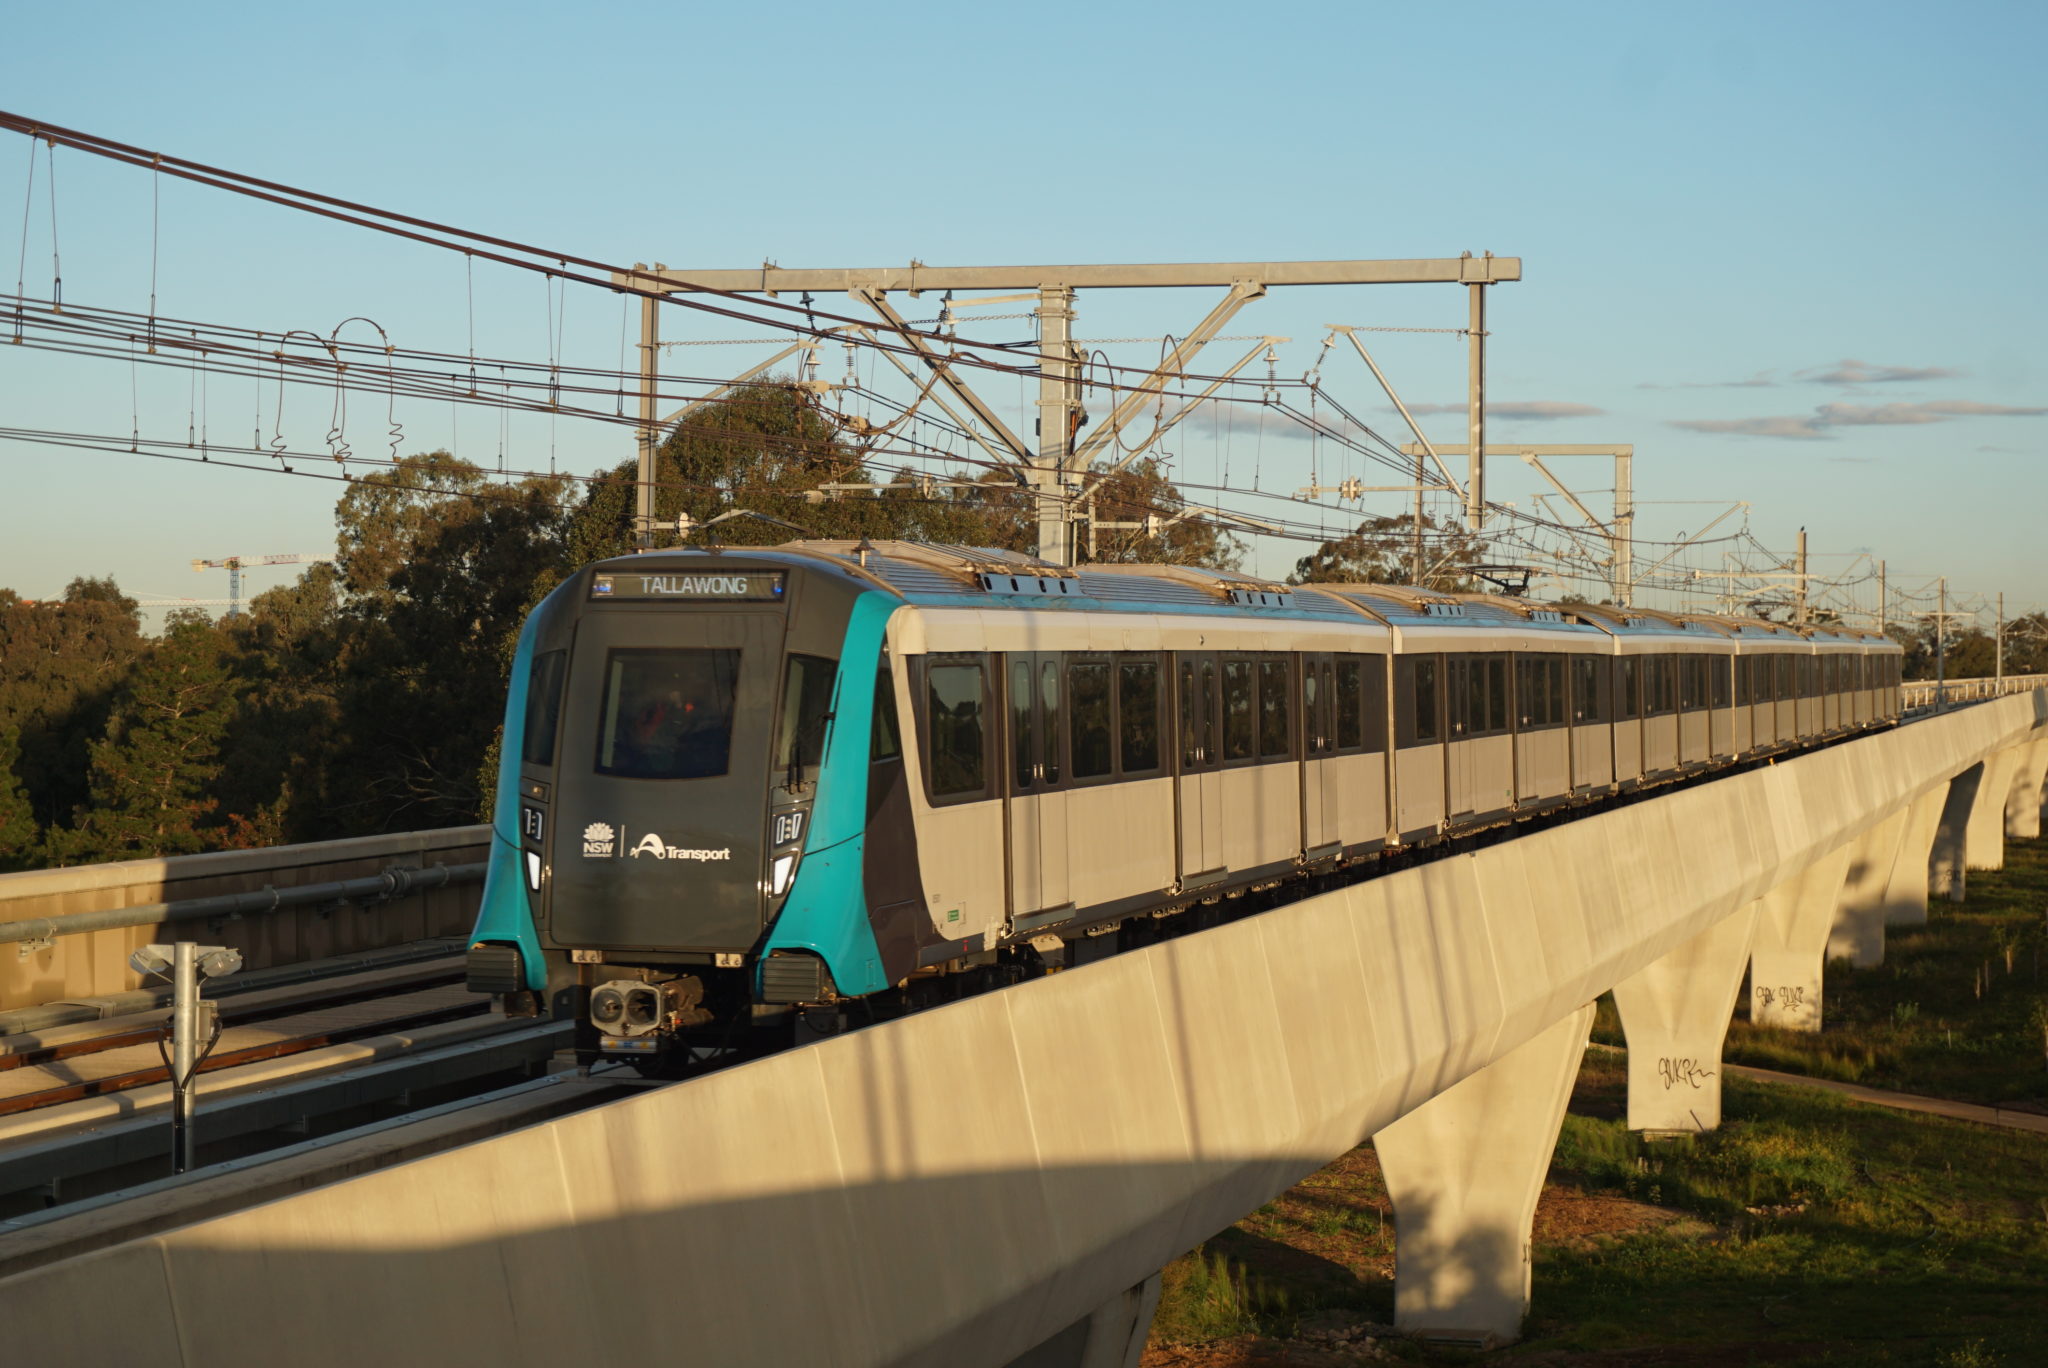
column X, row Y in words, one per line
column 1530, row 410
column 1803, row 429
column 1850, row 371
column 1815, row 426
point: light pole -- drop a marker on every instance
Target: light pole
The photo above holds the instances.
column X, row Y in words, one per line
column 186, row 964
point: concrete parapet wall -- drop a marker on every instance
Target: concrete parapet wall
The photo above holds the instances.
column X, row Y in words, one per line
column 962, row 1185
column 96, row 962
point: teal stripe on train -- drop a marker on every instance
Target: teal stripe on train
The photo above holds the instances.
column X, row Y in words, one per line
column 826, row 911
column 506, row 913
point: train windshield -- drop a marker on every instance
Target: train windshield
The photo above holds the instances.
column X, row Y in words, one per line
column 800, row 733
column 667, row 713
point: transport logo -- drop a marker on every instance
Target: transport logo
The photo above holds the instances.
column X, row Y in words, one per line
column 599, row 841
column 651, row 844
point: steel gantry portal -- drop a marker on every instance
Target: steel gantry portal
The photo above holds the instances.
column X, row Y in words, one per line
column 1054, row 463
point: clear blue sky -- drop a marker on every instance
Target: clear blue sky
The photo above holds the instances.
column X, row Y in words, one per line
column 1786, row 250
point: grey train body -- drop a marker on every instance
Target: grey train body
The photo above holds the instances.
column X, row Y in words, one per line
column 747, row 784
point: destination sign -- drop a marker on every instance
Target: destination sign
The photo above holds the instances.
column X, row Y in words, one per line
column 730, row 586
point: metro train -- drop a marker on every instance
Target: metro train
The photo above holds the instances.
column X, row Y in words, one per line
column 741, row 787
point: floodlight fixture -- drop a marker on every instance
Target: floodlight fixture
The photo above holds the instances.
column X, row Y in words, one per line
column 152, row 959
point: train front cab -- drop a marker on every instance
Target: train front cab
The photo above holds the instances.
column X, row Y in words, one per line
column 663, row 749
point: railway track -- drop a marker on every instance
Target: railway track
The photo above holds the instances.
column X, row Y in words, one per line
column 85, row 1105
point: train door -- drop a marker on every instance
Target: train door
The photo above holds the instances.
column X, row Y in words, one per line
column 1199, row 787
column 660, row 814
column 1038, row 797
column 1694, row 724
column 1463, row 676
column 1628, row 719
column 1418, row 743
column 1543, row 761
column 1322, row 792
column 1592, row 734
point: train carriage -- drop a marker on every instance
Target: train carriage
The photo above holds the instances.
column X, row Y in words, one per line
column 738, row 785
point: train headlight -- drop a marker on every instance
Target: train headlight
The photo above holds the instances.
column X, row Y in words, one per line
column 607, row 1006
column 783, row 872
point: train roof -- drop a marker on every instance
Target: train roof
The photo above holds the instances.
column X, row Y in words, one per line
column 936, row 574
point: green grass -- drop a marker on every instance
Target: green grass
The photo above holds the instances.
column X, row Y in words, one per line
column 1959, row 1008
column 1853, row 1234
column 1209, row 1296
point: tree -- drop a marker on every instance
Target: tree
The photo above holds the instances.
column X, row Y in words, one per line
column 150, row 774
column 20, row 839
column 277, row 759
column 1381, row 551
column 62, row 663
column 440, row 565
column 1141, row 493
column 767, row 448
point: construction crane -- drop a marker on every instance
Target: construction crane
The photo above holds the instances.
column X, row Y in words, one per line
column 234, row 565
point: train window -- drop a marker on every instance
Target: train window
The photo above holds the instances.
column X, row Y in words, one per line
column 954, row 699
column 1088, row 686
column 1631, row 694
column 1137, row 703
column 1417, row 713
column 1427, row 725
column 1350, row 703
column 667, row 713
column 1190, row 717
column 1529, row 685
column 1049, row 709
column 1742, row 677
column 1496, row 693
column 1554, row 667
column 1210, row 721
column 1375, row 703
column 885, row 742
column 1023, row 739
column 1585, row 688
column 1315, row 698
column 800, row 732
column 543, row 708
column 1721, row 673
column 1240, row 727
column 1276, row 689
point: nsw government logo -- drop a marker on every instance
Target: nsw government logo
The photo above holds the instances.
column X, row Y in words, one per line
column 599, row 841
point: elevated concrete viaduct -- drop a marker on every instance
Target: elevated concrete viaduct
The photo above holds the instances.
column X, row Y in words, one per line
column 999, row 1181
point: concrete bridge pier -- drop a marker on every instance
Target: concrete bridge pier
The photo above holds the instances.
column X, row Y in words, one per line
column 1675, row 1013
column 2023, row 804
column 1857, row 930
column 1464, row 1171
column 1794, row 926
column 1110, row 1336
column 1948, row 860
column 1984, row 845
column 1905, row 894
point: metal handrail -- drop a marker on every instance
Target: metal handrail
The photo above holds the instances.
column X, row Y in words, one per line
column 1917, row 694
column 394, row 882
